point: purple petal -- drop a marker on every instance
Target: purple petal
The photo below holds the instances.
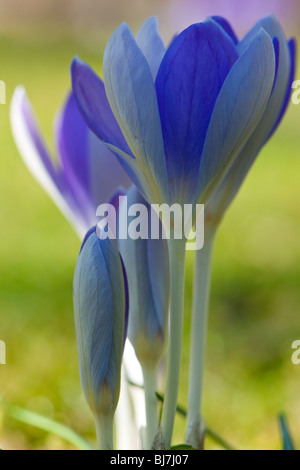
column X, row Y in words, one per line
column 92, row 100
column 71, row 134
column 92, row 170
column 35, row 134
column 36, row 156
column 227, row 27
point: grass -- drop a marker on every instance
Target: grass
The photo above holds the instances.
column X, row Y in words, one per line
column 255, row 300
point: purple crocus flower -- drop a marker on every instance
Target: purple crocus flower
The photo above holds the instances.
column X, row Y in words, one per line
column 185, row 112
column 179, row 118
column 87, row 173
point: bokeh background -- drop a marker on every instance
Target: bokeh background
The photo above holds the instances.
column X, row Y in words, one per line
column 254, row 311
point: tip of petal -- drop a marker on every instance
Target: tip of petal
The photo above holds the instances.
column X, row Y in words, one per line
column 87, row 236
column 18, row 99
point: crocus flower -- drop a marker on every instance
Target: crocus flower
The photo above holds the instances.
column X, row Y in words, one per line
column 101, row 315
column 221, row 200
column 86, row 173
column 147, row 267
column 177, row 128
column 183, row 126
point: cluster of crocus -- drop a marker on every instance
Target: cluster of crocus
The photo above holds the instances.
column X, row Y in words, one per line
column 186, row 123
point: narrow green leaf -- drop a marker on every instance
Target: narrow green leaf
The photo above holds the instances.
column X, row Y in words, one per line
column 287, row 440
column 49, row 425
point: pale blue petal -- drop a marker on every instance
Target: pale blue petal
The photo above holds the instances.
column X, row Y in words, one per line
column 93, row 317
column 158, row 266
column 292, row 73
column 105, row 171
column 146, row 263
column 239, row 107
column 274, row 110
column 151, row 44
column 131, row 93
column 270, row 25
column 241, row 166
column 134, row 171
column 273, row 28
column 119, row 287
column 99, row 308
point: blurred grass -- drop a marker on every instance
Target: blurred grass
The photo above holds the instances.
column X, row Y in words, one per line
column 255, row 290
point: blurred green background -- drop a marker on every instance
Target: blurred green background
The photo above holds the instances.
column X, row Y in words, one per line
column 255, row 313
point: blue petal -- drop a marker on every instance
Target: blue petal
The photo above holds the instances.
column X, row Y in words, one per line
column 238, row 109
column 146, row 263
column 270, row 119
column 105, row 171
column 72, row 142
column 131, row 93
column 292, row 50
column 187, row 84
column 227, row 27
column 270, row 24
column 93, row 172
column 158, row 266
column 151, row 44
column 99, row 307
column 285, row 64
column 87, row 236
column 92, row 100
column 120, row 304
column 93, row 308
column 134, row 171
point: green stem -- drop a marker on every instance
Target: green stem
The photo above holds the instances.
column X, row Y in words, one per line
column 150, row 386
column 104, row 429
column 202, row 280
column 177, row 270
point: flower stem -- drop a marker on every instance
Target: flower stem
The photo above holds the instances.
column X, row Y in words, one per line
column 177, row 270
column 150, row 386
column 202, row 280
column 104, row 429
